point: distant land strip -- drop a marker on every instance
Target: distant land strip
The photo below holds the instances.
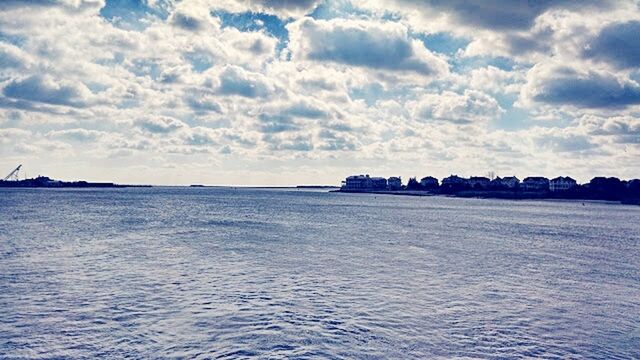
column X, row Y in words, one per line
column 534, row 187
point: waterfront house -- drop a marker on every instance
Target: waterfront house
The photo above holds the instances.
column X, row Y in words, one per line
column 454, row 180
column 429, row 182
column 479, row 182
column 535, row 183
column 510, row 182
column 364, row 183
column 454, row 183
column 562, row 183
column 378, row 183
column 394, row 183
column 610, row 188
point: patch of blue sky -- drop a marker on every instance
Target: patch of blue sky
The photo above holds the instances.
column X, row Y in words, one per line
column 442, row 42
column 337, row 9
column 117, row 58
column 374, row 92
column 133, row 14
column 199, row 62
column 96, row 87
column 515, row 118
column 512, row 119
column 250, row 21
column 145, row 68
column 11, row 39
column 505, row 100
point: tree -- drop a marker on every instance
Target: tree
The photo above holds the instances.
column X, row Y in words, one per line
column 413, row 184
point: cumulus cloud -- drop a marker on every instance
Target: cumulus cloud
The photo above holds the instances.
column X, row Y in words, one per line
column 485, row 14
column 281, row 8
column 192, row 16
column 46, row 89
column 623, row 129
column 12, row 56
column 564, row 142
column 375, row 45
column 234, row 80
column 160, row 124
column 72, row 5
column 80, row 135
column 556, row 84
column 467, row 108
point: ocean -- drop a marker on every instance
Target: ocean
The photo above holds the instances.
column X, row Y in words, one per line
column 283, row 273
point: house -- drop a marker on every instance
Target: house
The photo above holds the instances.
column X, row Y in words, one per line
column 454, row 180
column 479, row 182
column 535, row 183
column 364, row 183
column 394, row 183
column 454, row 183
column 510, row 182
column 378, row 183
column 429, row 182
column 610, row 188
column 562, row 183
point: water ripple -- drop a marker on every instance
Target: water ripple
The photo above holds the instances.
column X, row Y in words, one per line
column 226, row 274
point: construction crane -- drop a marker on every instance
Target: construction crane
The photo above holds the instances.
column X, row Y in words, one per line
column 13, row 176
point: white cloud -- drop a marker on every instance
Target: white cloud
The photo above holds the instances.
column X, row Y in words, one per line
column 383, row 46
column 468, row 108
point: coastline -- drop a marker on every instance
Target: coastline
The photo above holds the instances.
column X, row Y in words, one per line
column 493, row 195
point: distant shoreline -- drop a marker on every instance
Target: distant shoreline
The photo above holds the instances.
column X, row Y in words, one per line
column 491, row 195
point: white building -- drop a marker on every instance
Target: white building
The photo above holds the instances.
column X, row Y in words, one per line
column 364, row 183
column 562, row 183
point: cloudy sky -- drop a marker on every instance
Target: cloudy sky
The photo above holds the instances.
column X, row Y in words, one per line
column 279, row 92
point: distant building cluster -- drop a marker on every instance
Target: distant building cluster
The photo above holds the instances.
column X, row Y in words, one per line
column 561, row 186
column 534, row 183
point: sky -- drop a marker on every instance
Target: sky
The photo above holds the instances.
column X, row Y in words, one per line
column 279, row 92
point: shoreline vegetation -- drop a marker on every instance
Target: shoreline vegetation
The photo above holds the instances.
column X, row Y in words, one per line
column 533, row 188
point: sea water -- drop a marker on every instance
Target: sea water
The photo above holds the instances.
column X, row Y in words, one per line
column 267, row 273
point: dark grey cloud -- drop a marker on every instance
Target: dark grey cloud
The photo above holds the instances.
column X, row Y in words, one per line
column 498, row 14
column 618, row 44
column 187, row 22
column 560, row 85
column 524, row 44
column 43, row 89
